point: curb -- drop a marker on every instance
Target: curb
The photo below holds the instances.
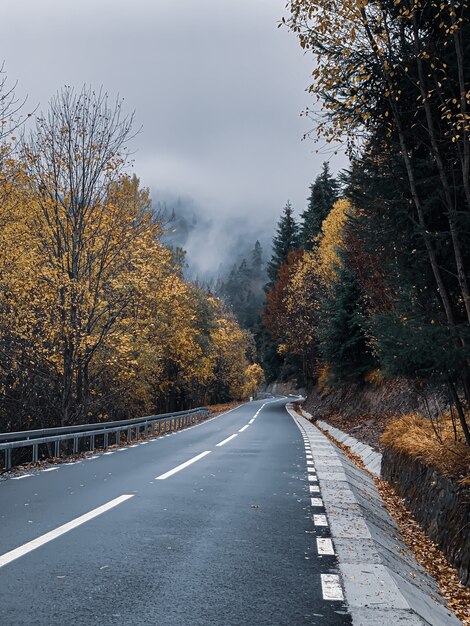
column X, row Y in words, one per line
column 383, row 583
column 370, row 457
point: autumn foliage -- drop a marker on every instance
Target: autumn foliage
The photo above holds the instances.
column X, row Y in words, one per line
column 96, row 317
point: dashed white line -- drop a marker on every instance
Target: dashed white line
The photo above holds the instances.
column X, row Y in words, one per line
column 331, row 587
column 320, row 520
column 251, row 421
column 311, row 470
column 20, row 477
column 316, row 502
column 312, row 478
column 226, row 440
column 243, row 428
column 50, row 469
column 8, row 557
column 325, row 546
column 310, row 463
column 314, row 489
column 182, row 466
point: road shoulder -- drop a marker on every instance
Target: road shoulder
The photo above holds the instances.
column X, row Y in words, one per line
column 382, row 581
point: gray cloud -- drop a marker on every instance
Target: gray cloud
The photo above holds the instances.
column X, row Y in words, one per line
column 216, row 86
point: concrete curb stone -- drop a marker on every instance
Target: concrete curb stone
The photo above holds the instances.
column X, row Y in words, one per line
column 383, row 584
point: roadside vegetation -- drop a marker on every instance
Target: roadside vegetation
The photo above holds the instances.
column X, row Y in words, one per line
column 372, row 284
column 437, row 443
column 97, row 320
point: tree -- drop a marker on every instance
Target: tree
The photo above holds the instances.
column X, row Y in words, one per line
column 394, row 78
column 277, row 359
column 285, row 240
column 74, row 159
column 342, row 338
column 323, row 195
column 309, row 293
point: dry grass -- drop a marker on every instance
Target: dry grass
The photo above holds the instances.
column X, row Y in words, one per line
column 436, row 443
column 216, row 409
column 322, row 379
column 374, row 377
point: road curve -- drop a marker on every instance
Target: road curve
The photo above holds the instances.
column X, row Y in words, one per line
column 209, row 526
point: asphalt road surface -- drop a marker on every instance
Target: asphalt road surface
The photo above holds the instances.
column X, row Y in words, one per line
column 122, row 538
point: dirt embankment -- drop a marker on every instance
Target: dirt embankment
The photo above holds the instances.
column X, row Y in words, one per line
column 365, row 410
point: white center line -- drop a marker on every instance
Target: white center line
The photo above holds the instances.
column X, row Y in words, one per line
column 244, row 428
column 225, row 440
column 8, row 557
column 251, row 421
column 182, row 466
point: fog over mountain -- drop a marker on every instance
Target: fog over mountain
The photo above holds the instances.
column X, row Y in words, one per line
column 209, row 251
column 217, row 88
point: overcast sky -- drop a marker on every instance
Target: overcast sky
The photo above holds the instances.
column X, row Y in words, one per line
column 216, row 86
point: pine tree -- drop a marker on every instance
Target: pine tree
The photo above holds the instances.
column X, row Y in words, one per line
column 343, row 343
column 323, row 194
column 257, row 262
column 285, row 240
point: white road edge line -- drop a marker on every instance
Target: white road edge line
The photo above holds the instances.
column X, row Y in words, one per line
column 325, row 546
column 20, row 477
column 8, row 557
column 243, row 428
column 182, row 466
column 226, row 440
column 331, row 587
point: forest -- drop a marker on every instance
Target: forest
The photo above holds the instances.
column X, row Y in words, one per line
column 373, row 281
column 97, row 320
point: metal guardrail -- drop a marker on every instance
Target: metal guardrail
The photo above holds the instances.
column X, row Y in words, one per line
column 150, row 425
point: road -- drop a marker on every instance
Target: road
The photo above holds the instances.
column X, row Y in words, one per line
column 163, row 534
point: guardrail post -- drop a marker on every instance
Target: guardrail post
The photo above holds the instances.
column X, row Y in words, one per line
column 57, row 448
column 92, row 443
column 118, row 437
column 106, row 440
column 153, row 428
column 7, row 458
column 129, row 435
column 137, row 431
column 75, row 444
column 35, row 453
